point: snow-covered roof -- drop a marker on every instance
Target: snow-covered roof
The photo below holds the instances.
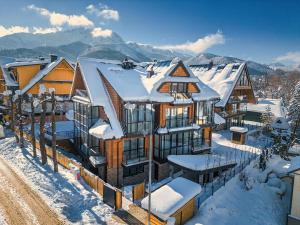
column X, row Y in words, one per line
column 276, row 105
column 9, row 81
column 145, row 88
column 26, row 63
column 239, row 129
column 219, row 119
column 99, row 96
column 200, row 162
column 166, row 200
column 103, row 130
column 221, row 78
column 42, row 73
column 280, row 123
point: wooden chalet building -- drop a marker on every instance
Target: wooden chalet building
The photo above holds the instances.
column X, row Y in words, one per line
column 118, row 105
column 27, row 76
column 234, row 86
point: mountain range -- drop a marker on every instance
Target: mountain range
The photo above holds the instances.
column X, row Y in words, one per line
column 80, row 42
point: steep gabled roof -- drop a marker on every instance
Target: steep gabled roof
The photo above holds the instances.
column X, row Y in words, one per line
column 99, row 96
column 42, row 73
column 221, row 78
column 135, row 85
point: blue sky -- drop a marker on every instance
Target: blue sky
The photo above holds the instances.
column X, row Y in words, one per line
column 263, row 31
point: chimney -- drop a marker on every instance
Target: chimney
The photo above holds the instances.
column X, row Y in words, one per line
column 53, row 57
column 211, row 64
column 150, row 71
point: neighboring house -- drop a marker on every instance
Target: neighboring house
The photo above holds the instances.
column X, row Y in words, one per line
column 234, row 86
column 255, row 111
column 293, row 217
column 28, row 76
column 114, row 104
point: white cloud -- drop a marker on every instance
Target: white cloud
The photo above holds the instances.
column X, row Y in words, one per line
column 99, row 32
column 12, row 30
column 104, row 12
column 59, row 19
column 41, row 30
column 293, row 57
column 199, row 45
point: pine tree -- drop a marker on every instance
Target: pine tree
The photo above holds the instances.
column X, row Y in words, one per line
column 293, row 110
column 267, row 118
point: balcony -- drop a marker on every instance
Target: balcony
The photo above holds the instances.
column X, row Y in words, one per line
column 204, row 120
column 128, row 161
column 206, row 145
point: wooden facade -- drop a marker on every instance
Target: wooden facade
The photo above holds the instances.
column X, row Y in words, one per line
column 181, row 216
column 120, row 160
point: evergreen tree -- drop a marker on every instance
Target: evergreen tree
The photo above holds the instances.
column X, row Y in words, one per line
column 267, row 118
column 293, row 110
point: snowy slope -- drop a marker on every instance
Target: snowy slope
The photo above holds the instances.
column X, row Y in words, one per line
column 72, row 199
column 260, row 205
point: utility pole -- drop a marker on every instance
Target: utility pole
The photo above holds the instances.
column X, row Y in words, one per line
column 150, row 166
column 32, row 126
column 53, row 125
column 42, row 129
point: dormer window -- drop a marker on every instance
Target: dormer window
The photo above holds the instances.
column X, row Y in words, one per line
column 179, row 88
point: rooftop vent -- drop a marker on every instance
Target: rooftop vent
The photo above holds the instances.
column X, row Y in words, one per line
column 53, row 57
column 127, row 64
column 150, row 71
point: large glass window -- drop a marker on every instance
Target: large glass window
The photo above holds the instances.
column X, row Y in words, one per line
column 243, row 81
column 198, row 138
column 173, row 144
column 84, row 117
column 134, row 149
column 177, row 117
column 137, row 119
column 204, row 112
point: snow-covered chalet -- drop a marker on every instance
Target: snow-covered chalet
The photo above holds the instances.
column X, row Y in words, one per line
column 118, row 105
column 232, row 82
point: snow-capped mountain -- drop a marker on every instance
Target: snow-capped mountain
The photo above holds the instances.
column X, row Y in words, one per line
column 80, row 42
column 281, row 66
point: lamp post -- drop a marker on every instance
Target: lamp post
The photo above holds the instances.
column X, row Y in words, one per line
column 150, row 165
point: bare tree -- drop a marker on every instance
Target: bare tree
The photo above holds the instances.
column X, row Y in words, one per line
column 32, row 126
column 53, row 125
column 42, row 127
column 20, row 117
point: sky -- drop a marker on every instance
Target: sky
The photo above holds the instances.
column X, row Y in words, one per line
column 261, row 30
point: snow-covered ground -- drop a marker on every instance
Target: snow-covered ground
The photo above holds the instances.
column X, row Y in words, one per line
column 73, row 200
column 262, row 203
column 255, row 200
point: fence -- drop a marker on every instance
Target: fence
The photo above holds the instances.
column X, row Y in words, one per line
column 210, row 188
column 91, row 180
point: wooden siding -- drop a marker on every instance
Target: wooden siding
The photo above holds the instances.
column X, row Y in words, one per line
column 114, row 153
column 164, row 88
column 2, row 82
column 185, row 213
column 192, row 88
column 25, row 74
column 60, row 78
column 115, row 98
column 78, row 82
column 180, row 71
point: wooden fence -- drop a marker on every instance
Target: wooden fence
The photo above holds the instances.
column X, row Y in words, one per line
column 92, row 180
